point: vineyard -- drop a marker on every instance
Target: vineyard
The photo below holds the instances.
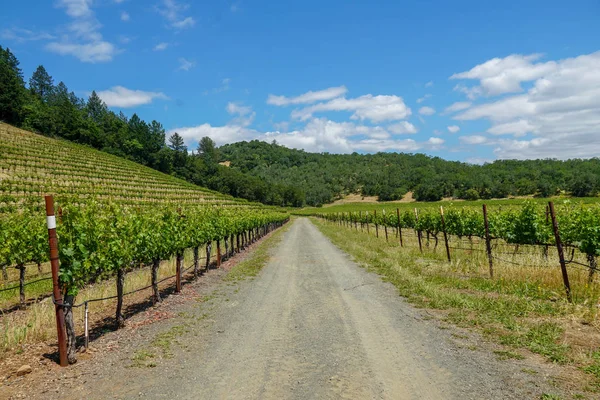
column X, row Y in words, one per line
column 520, row 237
column 114, row 219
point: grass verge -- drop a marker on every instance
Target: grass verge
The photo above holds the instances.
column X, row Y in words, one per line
column 514, row 309
column 251, row 266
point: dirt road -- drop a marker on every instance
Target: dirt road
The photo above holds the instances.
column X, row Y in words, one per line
column 314, row 325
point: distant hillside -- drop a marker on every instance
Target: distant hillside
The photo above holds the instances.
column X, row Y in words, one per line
column 324, row 177
column 32, row 165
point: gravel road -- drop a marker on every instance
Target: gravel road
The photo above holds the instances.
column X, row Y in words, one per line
column 314, row 325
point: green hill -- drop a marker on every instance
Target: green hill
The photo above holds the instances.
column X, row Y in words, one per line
column 32, row 165
column 324, row 177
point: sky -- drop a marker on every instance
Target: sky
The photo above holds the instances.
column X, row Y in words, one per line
column 473, row 81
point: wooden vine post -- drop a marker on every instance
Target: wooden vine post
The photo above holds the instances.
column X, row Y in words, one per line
column 367, row 218
column 418, row 230
column 385, row 225
column 445, row 234
column 218, row 253
column 56, row 292
column 561, row 254
column 488, row 240
column 376, row 225
column 399, row 226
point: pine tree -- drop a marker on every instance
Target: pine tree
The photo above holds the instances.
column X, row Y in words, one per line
column 96, row 109
column 41, row 83
column 12, row 88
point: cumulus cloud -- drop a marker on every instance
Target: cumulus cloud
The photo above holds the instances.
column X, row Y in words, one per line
column 173, row 12
column 119, row 96
column 429, row 84
column 318, row 135
column 84, row 40
column 453, row 128
column 368, row 107
column 403, row 127
column 308, row 97
column 558, row 116
column 125, row 16
column 505, row 75
column 426, row 111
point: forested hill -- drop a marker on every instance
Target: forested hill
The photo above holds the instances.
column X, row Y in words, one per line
column 323, row 177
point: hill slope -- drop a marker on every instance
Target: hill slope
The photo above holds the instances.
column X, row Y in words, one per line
column 324, row 177
column 33, row 165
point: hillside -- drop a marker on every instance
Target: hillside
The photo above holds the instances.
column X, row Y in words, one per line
column 325, row 177
column 33, row 165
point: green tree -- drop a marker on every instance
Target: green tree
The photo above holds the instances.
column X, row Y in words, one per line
column 12, row 88
column 41, row 83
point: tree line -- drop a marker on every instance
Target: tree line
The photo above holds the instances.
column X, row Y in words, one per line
column 52, row 110
column 324, row 177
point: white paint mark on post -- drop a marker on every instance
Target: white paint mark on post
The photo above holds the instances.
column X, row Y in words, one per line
column 51, row 221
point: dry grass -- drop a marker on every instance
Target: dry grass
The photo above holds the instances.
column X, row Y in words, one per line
column 524, row 306
column 36, row 323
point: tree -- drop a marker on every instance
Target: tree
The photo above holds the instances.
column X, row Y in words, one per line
column 207, row 149
column 95, row 108
column 179, row 148
column 41, row 83
column 12, row 88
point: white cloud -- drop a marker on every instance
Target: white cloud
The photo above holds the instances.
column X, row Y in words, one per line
column 161, row 46
column 308, row 97
column 403, row 127
column 458, row 106
column 560, row 112
column 24, row 35
column 422, row 99
column 374, row 108
column 519, row 127
column 453, row 128
column 318, row 135
column 505, row 75
column 234, row 108
column 125, row 16
column 173, row 13
column 85, row 41
column 474, row 139
column 429, row 84
column 119, row 96
column 76, row 8
column 426, row 111
column 89, row 52
column 185, row 65
column 436, row 141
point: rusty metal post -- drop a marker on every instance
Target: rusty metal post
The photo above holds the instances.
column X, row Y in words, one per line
column 60, row 316
column 376, row 225
column 445, row 234
column 399, row 227
column 561, row 254
column 418, row 231
column 488, row 240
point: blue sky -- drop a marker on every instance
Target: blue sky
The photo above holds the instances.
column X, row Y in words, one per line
column 464, row 80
